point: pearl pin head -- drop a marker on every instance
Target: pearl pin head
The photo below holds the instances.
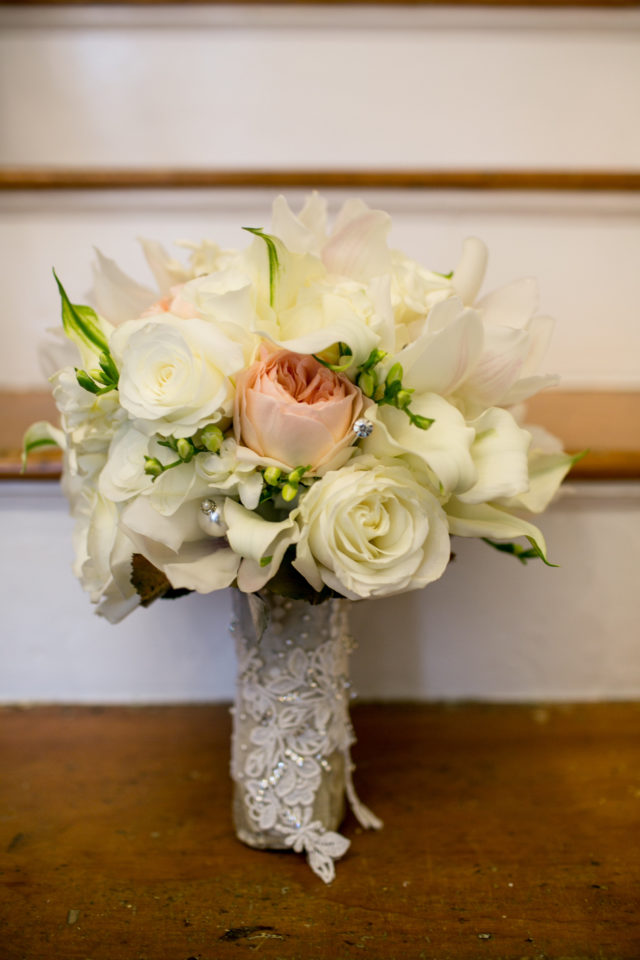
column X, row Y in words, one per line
column 210, row 519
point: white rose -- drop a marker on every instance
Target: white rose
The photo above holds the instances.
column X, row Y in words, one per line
column 371, row 530
column 174, row 373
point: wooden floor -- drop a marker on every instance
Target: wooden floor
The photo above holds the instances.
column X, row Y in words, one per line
column 509, row 832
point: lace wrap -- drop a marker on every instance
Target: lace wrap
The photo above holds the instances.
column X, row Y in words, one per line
column 291, row 761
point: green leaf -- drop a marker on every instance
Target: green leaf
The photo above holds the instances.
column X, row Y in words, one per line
column 537, row 551
column 519, row 552
column 40, row 434
column 274, row 260
column 81, row 323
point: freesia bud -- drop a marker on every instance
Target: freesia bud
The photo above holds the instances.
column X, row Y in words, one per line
column 422, row 422
column 272, row 475
column 211, row 438
column 185, row 449
column 289, row 492
column 296, row 475
column 367, row 383
column 395, row 374
column 403, row 399
column 153, row 467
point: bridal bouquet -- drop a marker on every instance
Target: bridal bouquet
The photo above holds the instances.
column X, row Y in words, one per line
column 310, row 418
column 315, row 415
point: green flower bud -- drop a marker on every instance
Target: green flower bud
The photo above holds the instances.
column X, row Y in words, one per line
column 395, row 374
column 272, row 475
column 153, row 467
column 296, row 475
column 367, row 383
column 422, row 422
column 85, row 381
column 211, row 437
column 289, row 492
column 403, row 399
column 185, row 449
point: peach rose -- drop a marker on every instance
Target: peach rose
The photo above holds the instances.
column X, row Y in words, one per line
column 291, row 409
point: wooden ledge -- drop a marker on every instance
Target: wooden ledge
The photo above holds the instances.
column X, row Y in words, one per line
column 158, row 178
column 336, row 3
column 605, row 423
column 509, row 832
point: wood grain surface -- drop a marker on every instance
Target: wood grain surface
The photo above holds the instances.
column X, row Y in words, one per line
column 334, row 3
column 141, row 178
column 509, row 832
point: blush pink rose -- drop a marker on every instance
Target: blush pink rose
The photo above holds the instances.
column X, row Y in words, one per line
column 291, row 409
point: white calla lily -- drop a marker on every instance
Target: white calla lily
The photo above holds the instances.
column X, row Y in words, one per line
column 499, row 453
column 177, row 546
column 261, row 543
column 444, row 450
column 486, row 520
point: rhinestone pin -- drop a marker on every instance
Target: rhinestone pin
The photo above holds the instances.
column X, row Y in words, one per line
column 363, row 428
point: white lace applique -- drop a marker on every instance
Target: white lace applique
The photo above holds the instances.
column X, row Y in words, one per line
column 291, row 756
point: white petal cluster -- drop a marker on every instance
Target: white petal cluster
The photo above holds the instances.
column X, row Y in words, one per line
column 209, row 408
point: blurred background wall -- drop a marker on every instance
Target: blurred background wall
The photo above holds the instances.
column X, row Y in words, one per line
column 537, row 93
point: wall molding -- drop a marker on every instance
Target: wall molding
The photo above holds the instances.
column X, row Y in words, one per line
column 17, row 178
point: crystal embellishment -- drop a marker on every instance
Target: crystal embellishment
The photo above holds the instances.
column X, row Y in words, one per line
column 362, row 428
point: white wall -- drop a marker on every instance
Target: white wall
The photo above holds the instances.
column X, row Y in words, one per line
column 491, row 628
column 269, row 87
column 365, row 87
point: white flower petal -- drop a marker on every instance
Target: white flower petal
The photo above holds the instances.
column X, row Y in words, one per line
column 304, row 233
column 469, row 273
column 511, row 305
column 546, row 473
column 440, row 362
column 444, row 448
column 499, row 454
column 203, row 568
column 168, row 271
column 358, row 248
column 255, row 539
column 485, row 520
column 116, row 295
